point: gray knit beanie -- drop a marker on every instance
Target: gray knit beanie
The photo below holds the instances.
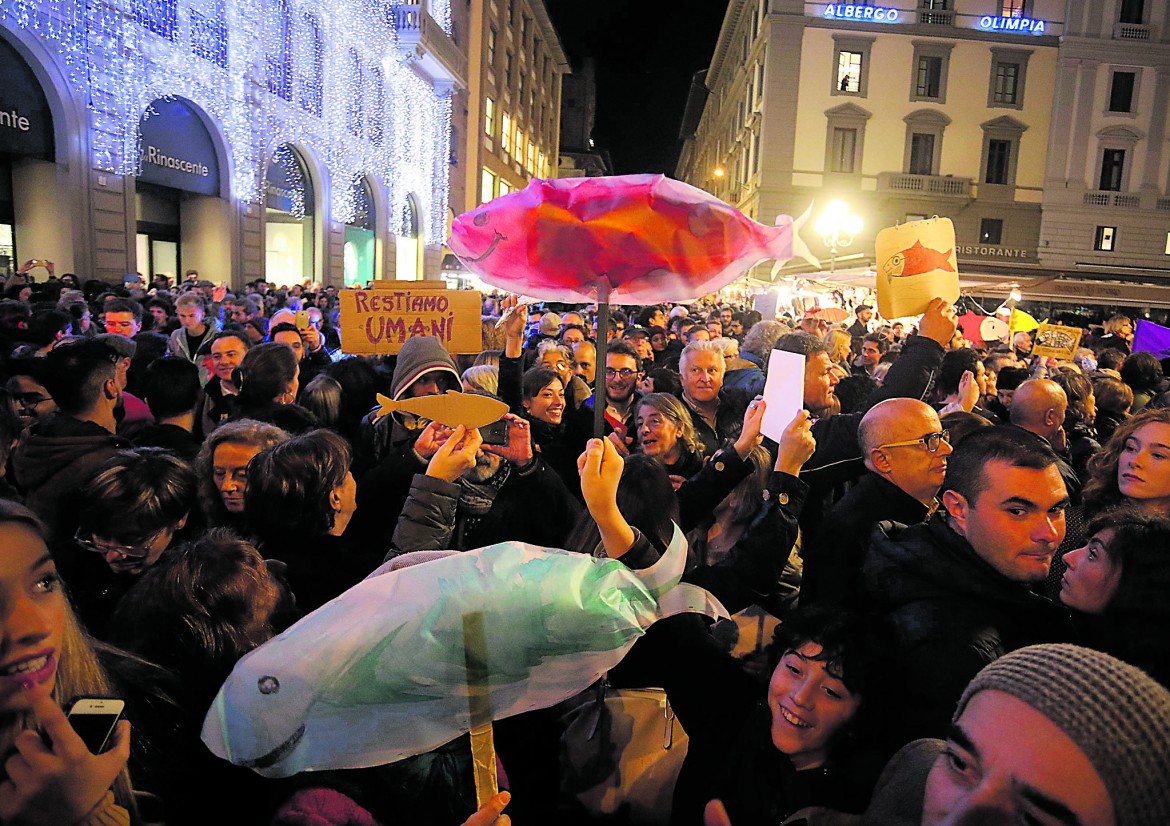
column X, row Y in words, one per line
column 1115, row 713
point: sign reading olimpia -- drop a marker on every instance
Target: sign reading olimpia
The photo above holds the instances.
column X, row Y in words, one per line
column 327, row 77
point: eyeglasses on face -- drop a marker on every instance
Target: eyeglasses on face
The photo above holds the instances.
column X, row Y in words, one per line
column 88, row 542
column 624, row 372
column 931, row 441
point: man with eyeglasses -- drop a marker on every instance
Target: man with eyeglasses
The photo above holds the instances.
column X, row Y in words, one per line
column 623, row 368
column 905, row 450
column 964, row 587
column 128, row 515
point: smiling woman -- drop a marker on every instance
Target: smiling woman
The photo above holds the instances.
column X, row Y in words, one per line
column 45, row 659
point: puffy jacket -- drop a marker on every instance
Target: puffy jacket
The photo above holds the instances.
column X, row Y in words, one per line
column 177, row 347
column 951, row 614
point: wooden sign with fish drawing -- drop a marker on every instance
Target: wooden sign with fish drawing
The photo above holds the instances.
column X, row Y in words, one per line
column 915, row 264
column 380, row 320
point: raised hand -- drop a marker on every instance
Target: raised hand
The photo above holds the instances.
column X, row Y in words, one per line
column 518, row 449
column 431, row 439
column 796, row 444
column 456, row 456
column 601, row 468
column 55, row 779
column 938, row 323
column 753, row 418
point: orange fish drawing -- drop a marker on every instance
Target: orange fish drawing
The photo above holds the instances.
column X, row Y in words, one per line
column 917, row 260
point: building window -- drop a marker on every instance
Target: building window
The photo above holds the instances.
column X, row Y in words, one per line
column 504, row 187
column 525, row 26
column 921, row 154
column 1001, row 148
column 1112, row 170
column 209, row 31
column 850, row 74
column 843, row 151
column 1167, row 243
column 1105, row 239
column 999, row 154
column 374, row 123
column 310, row 83
column 1121, row 91
column 991, row 231
column 489, row 117
column 931, row 60
column 1015, row 8
column 506, row 133
column 1133, row 11
column 928, row 78
column 845, row 138
column 277, row 48
column 491, row 47
column 1008, row 70
column 158, row 16
column 924, row 134
column 354, row 107
column 487, row 187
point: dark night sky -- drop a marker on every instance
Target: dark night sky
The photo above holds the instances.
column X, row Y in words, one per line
column 646, row 52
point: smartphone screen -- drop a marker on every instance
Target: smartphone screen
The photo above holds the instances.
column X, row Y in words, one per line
column 302, row 319
column 495, row 433
column 94, row 720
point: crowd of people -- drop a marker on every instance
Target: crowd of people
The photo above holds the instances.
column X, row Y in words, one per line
column 967, row 550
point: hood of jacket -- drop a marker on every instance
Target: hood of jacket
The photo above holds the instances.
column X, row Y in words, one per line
column 56, row 443
column 420, row 355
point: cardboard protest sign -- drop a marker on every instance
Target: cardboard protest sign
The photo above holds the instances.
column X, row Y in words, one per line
column 378, row 321
column 1057, row 342
column 915, row 264
column 1021, row 322
column 783, row 392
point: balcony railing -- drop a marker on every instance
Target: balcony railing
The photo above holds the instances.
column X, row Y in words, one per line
column 1116, row 199
column 1131, row 31
column 422, row 41
column 934, row 17
column 944, row 185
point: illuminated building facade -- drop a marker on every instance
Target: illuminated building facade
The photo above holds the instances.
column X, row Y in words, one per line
column 514, row 100
column 288, row 139
column 901, row 109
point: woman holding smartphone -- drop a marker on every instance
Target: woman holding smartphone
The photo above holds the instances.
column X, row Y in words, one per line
column 49, row 776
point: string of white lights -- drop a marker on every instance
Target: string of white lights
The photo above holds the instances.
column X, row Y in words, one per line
column 325, row 78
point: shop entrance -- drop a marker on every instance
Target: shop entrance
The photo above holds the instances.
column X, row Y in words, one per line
column 358, row 253
column 182, row 222
column 32, row 222
column 290, row 224
column 159, row 211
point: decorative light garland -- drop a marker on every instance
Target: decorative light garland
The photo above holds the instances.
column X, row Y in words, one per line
column 225, row 55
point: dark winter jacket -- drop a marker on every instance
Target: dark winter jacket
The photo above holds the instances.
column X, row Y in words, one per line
column 834, row 553
column 728, row 420
column 54, row 459
column 530, row 506
column 951, row 614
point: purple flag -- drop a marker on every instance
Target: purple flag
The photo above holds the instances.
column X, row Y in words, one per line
column 1151, row 338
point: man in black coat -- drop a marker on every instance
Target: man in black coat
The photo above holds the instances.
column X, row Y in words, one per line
column 860, row 326
column 962, row 589
column 905, row 451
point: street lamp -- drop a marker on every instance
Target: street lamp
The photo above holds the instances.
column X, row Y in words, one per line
column 837, row 227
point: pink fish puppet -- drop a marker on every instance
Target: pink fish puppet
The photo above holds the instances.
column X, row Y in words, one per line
column 649, row 237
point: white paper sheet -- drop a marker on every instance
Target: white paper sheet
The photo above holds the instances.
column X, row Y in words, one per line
column 783, row 392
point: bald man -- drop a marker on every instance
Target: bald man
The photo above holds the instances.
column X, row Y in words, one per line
column 1039, row 406
column 905, row 451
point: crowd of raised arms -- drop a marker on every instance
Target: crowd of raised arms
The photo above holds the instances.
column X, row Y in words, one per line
column 967, row 550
